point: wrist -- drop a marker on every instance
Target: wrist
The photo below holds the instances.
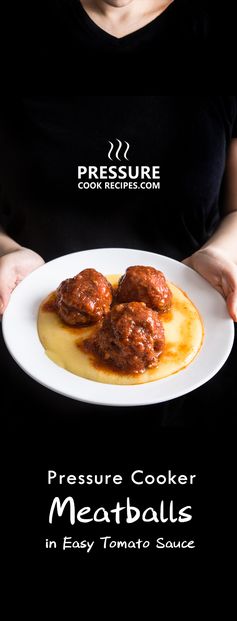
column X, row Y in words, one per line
column 213, row 250
column 205, row 253
column 223, row 242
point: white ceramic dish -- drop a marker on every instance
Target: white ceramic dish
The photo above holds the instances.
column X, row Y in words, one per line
column 21, row 336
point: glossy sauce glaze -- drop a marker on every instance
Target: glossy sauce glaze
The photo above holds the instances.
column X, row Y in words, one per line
column 64, row 344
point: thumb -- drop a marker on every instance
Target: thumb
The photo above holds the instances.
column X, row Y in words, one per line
column 231, row 301
column 229, row 288
column 186, row 261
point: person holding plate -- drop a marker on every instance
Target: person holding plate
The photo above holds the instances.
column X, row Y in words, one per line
column 57, row 150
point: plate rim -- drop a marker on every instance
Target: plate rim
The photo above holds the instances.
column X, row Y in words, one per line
column 194, row 385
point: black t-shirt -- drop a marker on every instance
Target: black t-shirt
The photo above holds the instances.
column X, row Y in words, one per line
column 182, row 21
column 172, row 209
column 56, row 38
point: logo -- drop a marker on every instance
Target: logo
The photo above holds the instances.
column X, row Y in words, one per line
column 119, row 177
column 127, row 147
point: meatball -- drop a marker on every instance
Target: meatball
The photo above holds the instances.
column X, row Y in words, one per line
column 144, row 284
column 84, row 299
column 131, row 338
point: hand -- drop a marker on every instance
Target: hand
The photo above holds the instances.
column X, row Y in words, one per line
column 14, row 266
column 215, row 266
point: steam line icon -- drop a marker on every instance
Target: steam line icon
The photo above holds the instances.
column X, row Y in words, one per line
column 118, row 149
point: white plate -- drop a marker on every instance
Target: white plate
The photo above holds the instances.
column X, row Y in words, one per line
column 21, row 336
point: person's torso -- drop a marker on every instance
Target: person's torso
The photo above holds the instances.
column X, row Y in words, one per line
column 118, row 142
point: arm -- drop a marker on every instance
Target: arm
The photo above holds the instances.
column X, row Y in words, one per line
column 217, row 259
column 15, row 263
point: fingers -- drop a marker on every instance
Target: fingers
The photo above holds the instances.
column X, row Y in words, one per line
column 231, row 302
column 230, row 291
column 229, row 286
